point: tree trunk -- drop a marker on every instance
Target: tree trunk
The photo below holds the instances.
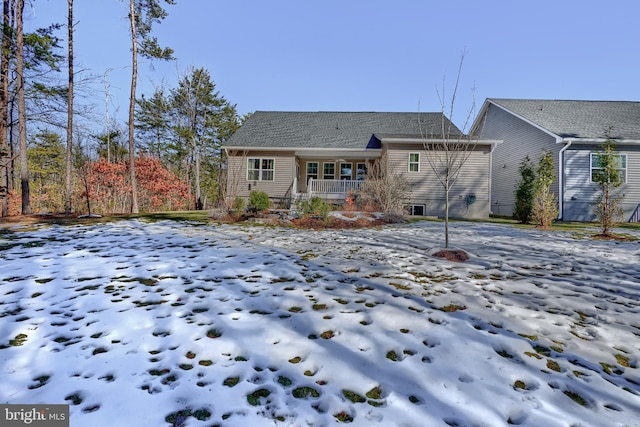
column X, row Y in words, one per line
column 132, row 104
column 446, row 216
column 22, row 117
column 5, row 158
column 67, row 182
column 197, row 179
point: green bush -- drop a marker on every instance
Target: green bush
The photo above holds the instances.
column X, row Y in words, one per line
column 524, row 191
column 238, row 203
column 259, row 200
column 314, row 206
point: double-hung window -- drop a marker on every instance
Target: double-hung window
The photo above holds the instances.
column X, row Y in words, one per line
column 414, row 162
column 619, row 163
column 361, row 171
column 346, row 171
column 260, row 169
column 312, row 170
column 328, row 171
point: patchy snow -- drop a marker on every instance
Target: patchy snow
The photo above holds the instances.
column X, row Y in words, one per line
column 164, row 323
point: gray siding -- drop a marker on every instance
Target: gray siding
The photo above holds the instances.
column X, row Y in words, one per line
column 519, row 139
column 581, row 194
column 427, row 190
column 239, row 186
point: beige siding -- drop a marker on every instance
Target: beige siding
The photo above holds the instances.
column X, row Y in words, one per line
column 520, row 139
column 284, row 170
column 302, row 161
column 469, row 196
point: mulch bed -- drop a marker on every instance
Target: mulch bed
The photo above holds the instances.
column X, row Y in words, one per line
column 455, row 255
column 336, row 223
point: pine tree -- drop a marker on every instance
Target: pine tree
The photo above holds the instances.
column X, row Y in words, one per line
column 606, row 174
column 524, row 191
column 142, row 15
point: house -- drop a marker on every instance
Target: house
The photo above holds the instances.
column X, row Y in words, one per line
column 572, row 131
column 294, row 155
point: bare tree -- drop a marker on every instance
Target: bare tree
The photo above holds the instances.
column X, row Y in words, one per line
column 68, row 188
column 234, row 176
column 448, row 148
column 386, row 189
column 5, row 158
column 132, row 103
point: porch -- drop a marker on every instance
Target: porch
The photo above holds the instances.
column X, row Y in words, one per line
column 333, row 188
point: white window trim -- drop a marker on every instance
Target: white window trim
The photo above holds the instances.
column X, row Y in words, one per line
column 413, row 163
column 366, row 168
column 306, row 170
column 623, row 170
column 260, row 170
column 350, row 167
column 334, row 169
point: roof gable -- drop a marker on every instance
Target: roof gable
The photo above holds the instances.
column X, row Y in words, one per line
column 331, row 130
column 578, row 119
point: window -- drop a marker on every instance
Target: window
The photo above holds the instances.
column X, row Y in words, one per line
column 619, row 160
column 416, row 210
column 329, row 171
column 346, row 170
column 260, row 169
column 414, row 162
column 312, row 170
column 361, row 171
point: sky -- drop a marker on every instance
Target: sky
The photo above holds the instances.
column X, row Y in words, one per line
column 366, row 55
column 134, row 323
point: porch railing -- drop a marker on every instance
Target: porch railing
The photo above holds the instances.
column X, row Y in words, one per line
column 635, row 216
column 333, row 186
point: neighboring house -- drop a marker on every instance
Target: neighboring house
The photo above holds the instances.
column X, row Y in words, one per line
column 294, row 155
column 573, row 132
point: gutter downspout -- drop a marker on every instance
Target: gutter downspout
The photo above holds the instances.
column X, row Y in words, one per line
column 561, row 179
column 493, row 148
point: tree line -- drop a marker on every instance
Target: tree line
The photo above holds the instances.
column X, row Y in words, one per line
column 166, row 156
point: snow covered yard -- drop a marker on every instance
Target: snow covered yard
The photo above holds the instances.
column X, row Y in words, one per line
column 168, row 323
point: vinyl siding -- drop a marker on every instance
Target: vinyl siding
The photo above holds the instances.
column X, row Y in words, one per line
column 427, row 190
column 519, row 139
column 284, row 170
column 582, row 194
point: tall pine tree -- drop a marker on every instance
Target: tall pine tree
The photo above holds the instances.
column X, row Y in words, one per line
column 142, row 15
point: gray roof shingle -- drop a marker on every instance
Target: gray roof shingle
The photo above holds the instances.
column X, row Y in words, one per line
column 579, row 119
column 281, row 129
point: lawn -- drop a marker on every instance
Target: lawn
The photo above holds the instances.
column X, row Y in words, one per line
column 140, row 322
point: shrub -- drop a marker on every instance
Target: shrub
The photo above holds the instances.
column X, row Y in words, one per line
column 238, row 203
column 385, row 190
column 259, row 200
column 314, row 206
column 544, row 208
